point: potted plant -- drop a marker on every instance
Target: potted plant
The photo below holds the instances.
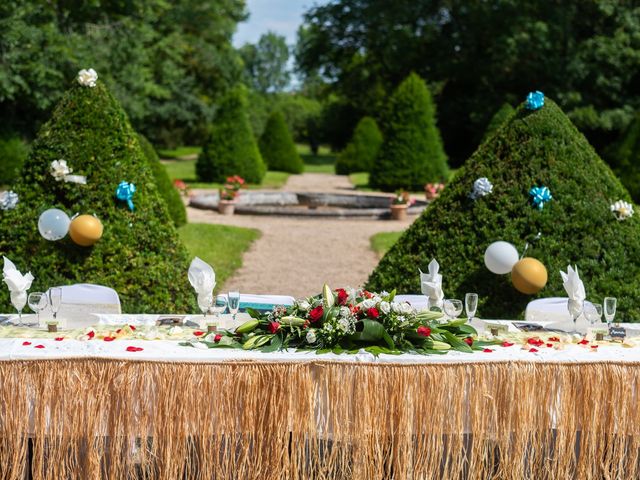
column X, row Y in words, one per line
column 228, row 194
column 432, row 190
column 399, row 205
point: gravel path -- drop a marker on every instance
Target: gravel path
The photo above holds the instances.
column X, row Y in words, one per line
column 295, row 256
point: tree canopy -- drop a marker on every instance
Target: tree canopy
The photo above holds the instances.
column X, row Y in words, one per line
column 265, row 63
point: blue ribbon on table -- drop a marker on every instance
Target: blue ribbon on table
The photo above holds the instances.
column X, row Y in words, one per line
column 125, row 192
column 535, row 100
column 540, row 195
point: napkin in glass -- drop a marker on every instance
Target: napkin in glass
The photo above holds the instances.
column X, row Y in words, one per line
column 431, row 285
column 575, row 290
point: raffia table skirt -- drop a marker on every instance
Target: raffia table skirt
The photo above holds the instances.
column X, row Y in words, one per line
column 117, row 419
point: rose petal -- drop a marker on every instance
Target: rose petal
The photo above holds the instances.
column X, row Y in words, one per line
column 584, row 341
column 59, row 339
column 507, row 344
column 118, row 330
column 487, row 350
column 39, row 346
column 198, row 333
column 554, row 339
column 533, row 350
column 594, row 346
column 109, row 339
column 134, row 349
column 91, row 334
column 132, row 328
column 549, row 345
column 26, row 343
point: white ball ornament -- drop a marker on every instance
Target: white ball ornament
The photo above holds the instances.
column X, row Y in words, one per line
column 500, row 257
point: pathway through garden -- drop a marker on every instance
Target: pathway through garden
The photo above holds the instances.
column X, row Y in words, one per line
column 295, row 256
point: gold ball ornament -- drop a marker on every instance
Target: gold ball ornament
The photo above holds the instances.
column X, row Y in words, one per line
column 529, row 276
column 85, row 230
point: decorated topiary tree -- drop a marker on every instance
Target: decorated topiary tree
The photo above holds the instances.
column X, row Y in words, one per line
column 140, row 254
column 412, row 153
column 277, row 147
column 624, row 158
column 534, row 148
column 501, row 116
column 167, row 191
column 231, row 148
column 361, row 152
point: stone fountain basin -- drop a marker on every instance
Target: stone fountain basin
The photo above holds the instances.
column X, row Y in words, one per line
column 305, row 204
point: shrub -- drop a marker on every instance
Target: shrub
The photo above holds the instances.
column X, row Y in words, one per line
column 501, row 116
column 277, row 147
column 140, row 254
column 412, row 153
column 13, row 151
column 540, row 148
column 166, row 189
column 231, row 148
column 361, row 152
column 624, row 158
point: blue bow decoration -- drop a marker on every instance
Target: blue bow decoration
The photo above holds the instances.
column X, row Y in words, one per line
column 540, row 195
column 535, row 100
column 125, row 192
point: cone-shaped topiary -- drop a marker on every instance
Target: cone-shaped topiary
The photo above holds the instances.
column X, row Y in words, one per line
column 167, row 191
column 231, row 148
column 501, row 116
column 624, row 158
column 361, row 152
column 277, row 147
column 412, row 153
column 140, row 254
column 534, row 148
column 13, row 151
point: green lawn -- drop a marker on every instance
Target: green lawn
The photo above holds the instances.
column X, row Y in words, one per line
column 383, row 241
column 321, row 163
column 179, row 152
column 221, row 246
column 360, row 180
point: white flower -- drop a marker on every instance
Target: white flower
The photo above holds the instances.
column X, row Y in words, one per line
column 311, row 336
column 8, row 200
column 385, row 307
column 368, row 303
column 406, row 308
column 87, row 78
column 303, row 305
column 345, row 312
column 345, row 324
column 396, row 308
column 59, row 169
column 622, row 210
column 384, row 293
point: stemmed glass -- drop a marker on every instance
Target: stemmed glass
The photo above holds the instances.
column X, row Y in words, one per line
column 593, row 312
column 55, row 300
column 218, row 307
column 19, row 300
column 610, row 304
column 205, row 302
column 37, row 302
column 234, row 303
column 471, row 305
column 575, row 310
column 453, row 308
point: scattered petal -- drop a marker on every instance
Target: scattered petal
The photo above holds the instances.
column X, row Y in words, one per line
column 39, row 346
column 507, row 344
column 584, row 341
column 132, row 328
column 134, row 349
column 549, row 345
column 26, row 343
column 487, row 350
column 594, row 346
column 533, row 350
column 118, row 330
column 468, row 341
column 109, row 339
column 554, row 339
column 91, row 334
column 59, row 339
column 198, row 333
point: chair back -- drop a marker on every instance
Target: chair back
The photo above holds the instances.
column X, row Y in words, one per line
column 80, row 301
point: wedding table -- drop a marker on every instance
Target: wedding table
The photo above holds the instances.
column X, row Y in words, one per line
column 89, row 408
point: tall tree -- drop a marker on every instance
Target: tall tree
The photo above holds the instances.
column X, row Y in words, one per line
column 266, row 68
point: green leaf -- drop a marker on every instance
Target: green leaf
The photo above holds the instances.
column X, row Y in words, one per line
column 253, row 313
column 274, row 346
column 372, row 331
column 456, row 343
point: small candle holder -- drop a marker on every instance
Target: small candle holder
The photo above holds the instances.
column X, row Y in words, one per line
column 212, row 327
column 52, row 326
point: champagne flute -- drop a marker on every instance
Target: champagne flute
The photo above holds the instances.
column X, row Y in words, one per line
column 471, row 305
column 37, row 302
column 234, row 303
column 610, row 304
column 218, row 307
column 55, row 300
column 453, row 308
column 19, row 300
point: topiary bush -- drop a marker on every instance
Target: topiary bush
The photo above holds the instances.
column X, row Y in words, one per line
column 624, row 158
column 277, row 147
column 361, row 152
column 534, row 148
column 231, row 148
column 412, row 153
column 501, row 116
column 13, row 151
column 167, row 191
column 140, row 254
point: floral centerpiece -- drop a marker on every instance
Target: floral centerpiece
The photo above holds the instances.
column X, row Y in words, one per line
column 228, row 194
column 348, row 320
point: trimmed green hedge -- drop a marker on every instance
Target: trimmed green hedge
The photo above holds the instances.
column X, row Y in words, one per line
column 277, row 147
column 534, row 148
column 140, row 254
column 231, row 148
column 361, row 152
column 412, row 153
column 13, row 152
column 624, row 158
column 167, row 191
column 498, row 119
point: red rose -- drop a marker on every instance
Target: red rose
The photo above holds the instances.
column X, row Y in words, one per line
column 355, row 310
column 367, row 294
column 217, row 338
column 316, row 313
column 373, row 313
column 342, row 296
column 468, row 341
column 273, row 327
column 424, row 331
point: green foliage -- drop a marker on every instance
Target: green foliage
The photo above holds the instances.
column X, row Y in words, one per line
column 411, row 154
column 363, row 149
column 140, row 254
column 167, row 191
column 231, row 148
column 498, row 119
column 265, row 63
column 277, row 147
column 13, row 151
column 539, row 148
column 624, row 158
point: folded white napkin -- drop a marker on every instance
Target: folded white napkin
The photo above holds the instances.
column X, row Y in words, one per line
column 431, row 284
column 575, row 290
column 202, row 277
column 16, row 282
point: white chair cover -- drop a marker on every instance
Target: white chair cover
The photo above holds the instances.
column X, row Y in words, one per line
column 554, row 309
column 419, row 302
column 80, row 301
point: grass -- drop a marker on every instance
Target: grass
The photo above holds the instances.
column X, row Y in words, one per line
column 323, row 162
column 221, row 246
column 383, row 241
column 360, row 180
column 179, row 152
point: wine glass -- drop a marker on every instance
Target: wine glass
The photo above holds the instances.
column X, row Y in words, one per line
column 576, row 308
column 471, row 305
column 205, row 302
column 218, row 307
column 55, row 300
column 37, row 302
column 453, row 308
column 234, row 303
column 19, row 300
column 610, row 304
column 593, row 312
